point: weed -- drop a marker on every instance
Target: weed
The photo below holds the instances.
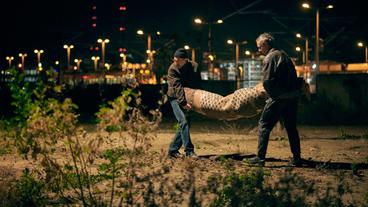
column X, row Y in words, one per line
column 345, row 135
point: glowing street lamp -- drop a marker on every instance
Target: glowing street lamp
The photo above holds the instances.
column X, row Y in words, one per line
column 306, row 53
column 361, row 44
column 38, row 52
column 200, row 21
column 9, row 59
column 107, row 66
column 231, row 42
column 95, row 61
column 103, row 42
column 68, row 48
column 149, row 50
column 192, row 51
column 22, row 57
column 78, row 61
column 317, row 9
column 123, row 61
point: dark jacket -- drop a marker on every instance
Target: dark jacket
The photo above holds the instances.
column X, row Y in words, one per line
column 279, row 75
column 178, row 78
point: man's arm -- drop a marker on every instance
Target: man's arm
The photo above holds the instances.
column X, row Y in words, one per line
column 270, row 73
column 176, row 89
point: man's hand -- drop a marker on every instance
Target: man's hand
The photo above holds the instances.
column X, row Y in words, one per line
column 188, row 106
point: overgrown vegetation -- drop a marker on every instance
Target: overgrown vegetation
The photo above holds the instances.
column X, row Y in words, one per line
column 345, row 135
column 113, row 166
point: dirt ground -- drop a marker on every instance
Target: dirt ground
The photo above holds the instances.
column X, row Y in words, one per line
column 329, row 151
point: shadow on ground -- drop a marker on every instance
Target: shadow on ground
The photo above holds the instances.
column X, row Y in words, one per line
column 306, row 163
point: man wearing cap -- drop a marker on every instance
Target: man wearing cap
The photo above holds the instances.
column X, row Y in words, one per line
column 182, row 73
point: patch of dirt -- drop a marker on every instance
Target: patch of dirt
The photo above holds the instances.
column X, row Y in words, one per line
column 328, row 155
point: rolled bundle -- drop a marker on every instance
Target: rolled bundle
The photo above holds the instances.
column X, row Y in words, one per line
column 243, row 103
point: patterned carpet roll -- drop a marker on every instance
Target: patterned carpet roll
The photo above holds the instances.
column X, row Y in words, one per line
column 243, row 103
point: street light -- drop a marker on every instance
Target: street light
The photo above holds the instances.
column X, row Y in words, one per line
column 307, row 6
column 361, row 44
column 231, row 42
column 192, row 51
column 22, row 57
column 38, row 52
column 103, row 42
column 299, row 49
column 200, row 21
column 78, row 61
column 68, row 47
column 95, row 61
column 306, row 53
column 149, row 50
column 9, row 59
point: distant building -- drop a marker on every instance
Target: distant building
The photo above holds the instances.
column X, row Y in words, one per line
column 249, row 73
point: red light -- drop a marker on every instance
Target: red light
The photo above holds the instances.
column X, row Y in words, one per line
column 122, row 8
column 121, row 29
column 97, row 48
column 94, row 25
column 120, row 49
column 94, row 7
column 91, row 48
column 94, row 17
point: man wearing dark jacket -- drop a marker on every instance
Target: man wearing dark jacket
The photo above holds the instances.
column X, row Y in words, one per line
column 182, row 73
column 280, row 83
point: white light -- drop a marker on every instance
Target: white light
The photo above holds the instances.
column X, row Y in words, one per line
column 314, row 66
column 305, row 5
column 198, row 21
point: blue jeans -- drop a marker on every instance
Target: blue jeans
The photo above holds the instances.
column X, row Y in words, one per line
column 182, row 136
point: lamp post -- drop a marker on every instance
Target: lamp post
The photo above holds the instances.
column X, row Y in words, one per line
column 103, row 43
column 192, row 51
column 95, row 61
column 68, row 48
column 209, row 40
column 22, row 57
column 306, row 53
column 238, row 71
column 299, row 49
column 249, row 53
column 149, row 50
column 210, row 54
column 9, row 59
column 316, row 52
column 78, row 61
column 38, row 52
column 361, row 44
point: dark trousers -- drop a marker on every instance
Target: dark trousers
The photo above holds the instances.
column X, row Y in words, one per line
column 275, row 110
column 182, row 136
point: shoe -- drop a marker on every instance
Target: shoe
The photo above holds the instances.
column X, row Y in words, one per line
column 175, row 155
column 296, row 162
column 191, row 155
column 256, row 161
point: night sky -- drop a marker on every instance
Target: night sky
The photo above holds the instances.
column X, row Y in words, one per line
column 27, row 25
